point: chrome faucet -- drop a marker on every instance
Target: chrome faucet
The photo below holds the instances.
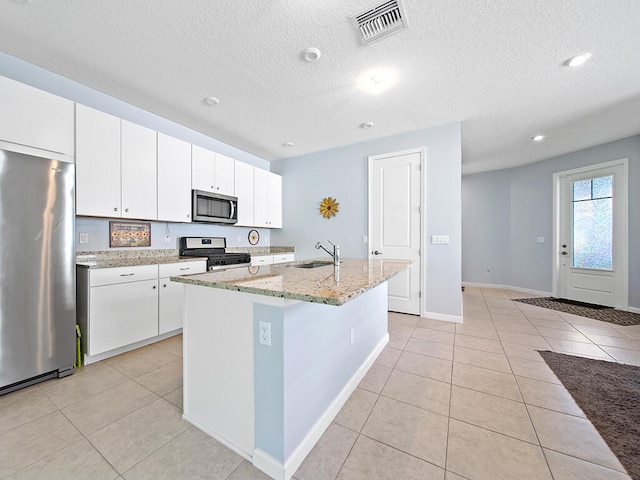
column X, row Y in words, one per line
column 336, row 252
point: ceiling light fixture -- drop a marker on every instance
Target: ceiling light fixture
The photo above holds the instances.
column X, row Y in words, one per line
column 287, row 145
column 366, row 125
column 578, row 60
column 377, row 80
column 211, row 100
column 538, row 138
column 311, row 54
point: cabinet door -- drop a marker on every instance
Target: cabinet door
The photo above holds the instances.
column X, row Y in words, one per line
column 260, row 198
column 262, row 260
column 138, row 160
column 122, row 314
column 202, row 168
column 174, row 179
column 224, row 175
column 35, row 118
column 275, row 200
column 244, row 192
column 171, row 303
column 97, row 163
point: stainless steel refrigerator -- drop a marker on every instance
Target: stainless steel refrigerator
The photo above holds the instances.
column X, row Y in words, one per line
column 37, row 269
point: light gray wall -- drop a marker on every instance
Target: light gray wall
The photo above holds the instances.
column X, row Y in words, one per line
column 528, row 193
column 37, row 77
column 342, row 173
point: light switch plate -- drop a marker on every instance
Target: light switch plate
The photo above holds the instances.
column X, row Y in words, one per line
column 540, row 239
column 440, row 239
column 84, row 237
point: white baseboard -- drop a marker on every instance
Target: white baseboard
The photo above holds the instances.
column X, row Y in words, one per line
column 507, row 287
column 634, row 309
column 442, row 316
column 279, row 471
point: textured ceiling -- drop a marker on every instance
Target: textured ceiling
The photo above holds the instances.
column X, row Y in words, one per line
column 494, row 65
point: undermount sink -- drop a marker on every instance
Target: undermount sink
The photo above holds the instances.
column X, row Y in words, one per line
column 311, row 265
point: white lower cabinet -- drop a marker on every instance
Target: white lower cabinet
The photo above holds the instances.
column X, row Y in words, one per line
column 271, row 259
column 283, row 257
column 121, row 308
column 122, row 314
column 171, row 299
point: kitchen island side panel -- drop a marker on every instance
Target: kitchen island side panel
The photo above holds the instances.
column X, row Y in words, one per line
column 312, row 359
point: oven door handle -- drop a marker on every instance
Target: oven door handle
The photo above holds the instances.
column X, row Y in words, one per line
column 233, row 209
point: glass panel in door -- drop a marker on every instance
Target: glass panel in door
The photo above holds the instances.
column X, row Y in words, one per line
column 592, row 212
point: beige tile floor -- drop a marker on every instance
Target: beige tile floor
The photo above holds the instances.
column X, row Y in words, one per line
column 443, row 401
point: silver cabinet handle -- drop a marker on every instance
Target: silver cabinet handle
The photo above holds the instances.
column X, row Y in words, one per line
column 115, row 209
column 165, row 285
column 377, row 252
column 186, row 268
column 127, row 274
column 126, row 210
column 564, row 253
column 154, row 287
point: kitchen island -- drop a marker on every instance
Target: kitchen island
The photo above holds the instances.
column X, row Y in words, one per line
column 272, row 353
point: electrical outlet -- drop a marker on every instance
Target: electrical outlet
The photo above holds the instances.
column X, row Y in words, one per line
column 84, row 237
column 239, row 238
column 167, row 238
column 264, row 334
column 352, row 336
column 365, row 239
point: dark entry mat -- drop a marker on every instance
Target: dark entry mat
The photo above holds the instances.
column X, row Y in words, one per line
column 609, row 394
column 596, row 312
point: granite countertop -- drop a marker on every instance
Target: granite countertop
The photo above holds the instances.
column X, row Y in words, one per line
column 130, row 258
column 258, row 251
column 327, row 284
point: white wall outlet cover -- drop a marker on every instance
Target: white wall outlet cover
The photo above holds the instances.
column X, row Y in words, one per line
column 365, row 239
column 84, row 237
column 352, row 336
column 264, row 333
column 167, row 238
column 540, row 239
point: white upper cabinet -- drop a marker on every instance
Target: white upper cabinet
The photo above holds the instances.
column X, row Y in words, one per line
column 174, row 179
column 138, row 159
column 267, row 201
column 212, row 172
column 224, row 175
column 244, row 192
column 30, row 117
column 97, row 163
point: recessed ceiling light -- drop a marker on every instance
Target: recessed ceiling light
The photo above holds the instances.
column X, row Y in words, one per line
column 538, row 138
column 211, row 100
column 311, row 54
column 366, row 125
column 377, row 80
column 288, row 144
column 577, row 60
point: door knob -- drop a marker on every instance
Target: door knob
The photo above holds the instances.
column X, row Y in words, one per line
column 377, row 252
column 564, row 253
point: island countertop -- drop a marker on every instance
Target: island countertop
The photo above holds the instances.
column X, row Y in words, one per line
column 328, row 284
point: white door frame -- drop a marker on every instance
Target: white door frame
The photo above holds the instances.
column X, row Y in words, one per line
column 422, row 151
column 624, row 228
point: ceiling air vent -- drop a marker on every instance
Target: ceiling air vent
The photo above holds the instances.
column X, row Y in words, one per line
column 380, row 21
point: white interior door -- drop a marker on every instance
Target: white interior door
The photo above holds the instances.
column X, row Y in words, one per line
column 591, row 244
column 395, row 222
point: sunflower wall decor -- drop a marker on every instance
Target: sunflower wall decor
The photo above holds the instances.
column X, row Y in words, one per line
column 328, row 207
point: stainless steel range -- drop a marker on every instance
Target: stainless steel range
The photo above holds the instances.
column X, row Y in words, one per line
column 214, row 249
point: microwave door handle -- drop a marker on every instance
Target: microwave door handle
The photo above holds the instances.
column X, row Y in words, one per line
column 233, row 210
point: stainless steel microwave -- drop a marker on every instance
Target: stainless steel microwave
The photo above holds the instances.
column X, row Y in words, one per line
column 213, row 207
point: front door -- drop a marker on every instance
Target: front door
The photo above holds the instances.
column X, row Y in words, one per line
column 591, row 250
column 395, row 222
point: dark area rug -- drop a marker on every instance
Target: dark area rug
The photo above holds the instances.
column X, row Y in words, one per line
column 609, row 394
column 597, row 312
